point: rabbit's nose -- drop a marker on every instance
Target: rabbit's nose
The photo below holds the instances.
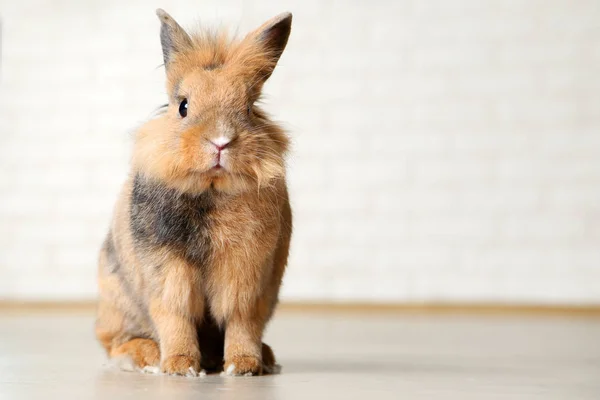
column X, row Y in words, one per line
column 221, row 142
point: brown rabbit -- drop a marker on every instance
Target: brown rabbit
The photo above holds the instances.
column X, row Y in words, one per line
column 190, row 271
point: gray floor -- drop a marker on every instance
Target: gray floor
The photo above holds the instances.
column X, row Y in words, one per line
column 328, row 357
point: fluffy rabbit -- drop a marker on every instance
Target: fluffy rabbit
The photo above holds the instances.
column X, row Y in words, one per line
column 190, row 270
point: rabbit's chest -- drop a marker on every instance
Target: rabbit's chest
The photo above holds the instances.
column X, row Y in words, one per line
column 194, row 227
column 163, row 218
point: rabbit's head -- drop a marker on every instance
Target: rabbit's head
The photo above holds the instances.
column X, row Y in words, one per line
column 212, row 134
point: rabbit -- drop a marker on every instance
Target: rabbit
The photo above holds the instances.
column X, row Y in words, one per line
column 190, row 270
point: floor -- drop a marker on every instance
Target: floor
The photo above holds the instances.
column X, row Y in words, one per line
column 328, row 356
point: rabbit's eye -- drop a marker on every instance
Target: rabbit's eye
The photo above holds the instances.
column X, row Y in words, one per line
column 183, row 106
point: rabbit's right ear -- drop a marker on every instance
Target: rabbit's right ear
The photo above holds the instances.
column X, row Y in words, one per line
column 172, row 36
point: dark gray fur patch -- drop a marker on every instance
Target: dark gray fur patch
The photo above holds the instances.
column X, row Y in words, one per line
column 213, row 66
column 163, row 217
column 111, row 254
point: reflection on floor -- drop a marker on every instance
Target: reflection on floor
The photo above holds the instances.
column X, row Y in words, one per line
column 326, row 356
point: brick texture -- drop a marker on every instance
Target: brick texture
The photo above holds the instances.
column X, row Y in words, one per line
column 443, row 150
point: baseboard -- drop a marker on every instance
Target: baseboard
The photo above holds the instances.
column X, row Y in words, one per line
column 18, row 307
column 444, row 308
column 9, row 306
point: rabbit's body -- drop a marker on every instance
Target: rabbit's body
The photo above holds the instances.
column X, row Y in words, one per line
column 190, row 271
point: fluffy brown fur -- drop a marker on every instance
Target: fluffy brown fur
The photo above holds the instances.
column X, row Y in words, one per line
column 190, row 271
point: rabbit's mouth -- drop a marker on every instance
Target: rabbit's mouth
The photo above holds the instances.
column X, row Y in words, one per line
column 215, row 171
column 218, row 169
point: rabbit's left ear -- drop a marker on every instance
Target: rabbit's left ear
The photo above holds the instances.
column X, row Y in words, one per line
column 172, row 36
column 271, row 39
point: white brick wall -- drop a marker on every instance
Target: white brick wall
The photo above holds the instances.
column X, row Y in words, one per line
column 443, row 150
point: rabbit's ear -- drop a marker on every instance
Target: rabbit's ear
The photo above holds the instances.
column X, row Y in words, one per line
column 172, row 36
column 271, row 39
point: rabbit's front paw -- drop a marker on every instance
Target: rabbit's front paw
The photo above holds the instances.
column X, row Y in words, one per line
column 243, row 365
column 181, row 365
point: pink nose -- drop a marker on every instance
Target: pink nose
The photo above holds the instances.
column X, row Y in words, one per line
column 221, row 143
